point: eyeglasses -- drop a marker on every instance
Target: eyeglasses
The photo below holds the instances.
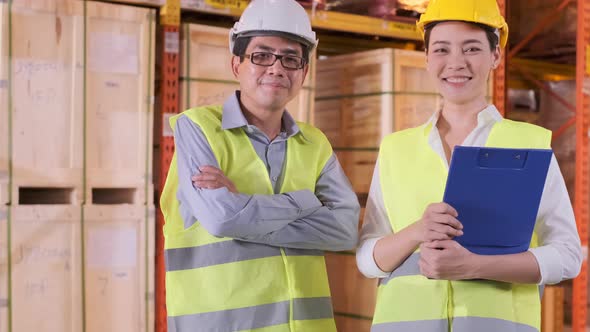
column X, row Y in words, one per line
column 267, row 59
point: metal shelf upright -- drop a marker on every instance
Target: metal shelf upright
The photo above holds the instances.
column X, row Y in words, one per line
column 169, row 94
column 581, row 201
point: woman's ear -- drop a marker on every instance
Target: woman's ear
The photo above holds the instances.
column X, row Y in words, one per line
column 496, row 57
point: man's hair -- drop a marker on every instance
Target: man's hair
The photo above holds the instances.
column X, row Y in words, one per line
column 491, row 33
column 241, row 44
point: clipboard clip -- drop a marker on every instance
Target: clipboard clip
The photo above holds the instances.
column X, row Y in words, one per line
column 502, row 158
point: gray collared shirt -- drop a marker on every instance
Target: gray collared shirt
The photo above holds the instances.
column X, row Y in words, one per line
column 326, row 219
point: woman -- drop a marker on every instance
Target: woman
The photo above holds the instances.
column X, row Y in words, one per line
column 428, row 281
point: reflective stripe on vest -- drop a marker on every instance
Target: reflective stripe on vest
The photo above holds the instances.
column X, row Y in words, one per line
column 225, row 252
column 413, row 176
column 233, row 285
column 460, row 324
column 255, row 316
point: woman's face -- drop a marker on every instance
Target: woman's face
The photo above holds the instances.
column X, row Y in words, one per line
column 460, row 60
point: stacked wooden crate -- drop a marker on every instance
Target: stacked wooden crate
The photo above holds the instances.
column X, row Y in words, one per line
column 206, row 74
column 118, row 234
column 4, row 135
column 47, row 156
column 364, row 96
column 81, row 229
column 360, row 98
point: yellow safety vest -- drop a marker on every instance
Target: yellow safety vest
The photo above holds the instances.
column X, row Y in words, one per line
column 220, row 284
column 413, row 176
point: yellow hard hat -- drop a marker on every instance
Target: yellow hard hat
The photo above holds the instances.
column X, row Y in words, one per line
column 478, row 11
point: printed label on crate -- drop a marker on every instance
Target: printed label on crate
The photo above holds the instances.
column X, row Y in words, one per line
column 223, row 4
column 113, row 53
column 112, row 247
column 39, row 82
column 171, row 42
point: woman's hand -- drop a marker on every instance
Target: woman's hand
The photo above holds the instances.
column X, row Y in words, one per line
column 447, row 260
column 439, row 222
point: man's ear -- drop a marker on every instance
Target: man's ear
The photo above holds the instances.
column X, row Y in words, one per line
column 235, row 65
column 305, row 71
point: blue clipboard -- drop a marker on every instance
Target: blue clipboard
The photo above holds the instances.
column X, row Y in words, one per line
column 497, row 194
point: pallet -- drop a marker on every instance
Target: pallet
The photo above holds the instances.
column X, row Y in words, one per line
column 119, row 259
column 47, row 94
column 3, row 269
column 352, row 294
column 120, row 194
column 119, row 109
column 206, row 77
column 45, row 268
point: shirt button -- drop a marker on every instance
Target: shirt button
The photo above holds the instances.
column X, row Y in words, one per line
column 274, row 178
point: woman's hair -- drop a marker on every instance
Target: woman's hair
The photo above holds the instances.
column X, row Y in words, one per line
column 491, row 33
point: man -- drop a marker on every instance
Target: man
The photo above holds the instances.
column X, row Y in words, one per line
column 252, row 198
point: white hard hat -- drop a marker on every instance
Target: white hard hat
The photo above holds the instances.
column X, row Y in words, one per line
column 274, row 17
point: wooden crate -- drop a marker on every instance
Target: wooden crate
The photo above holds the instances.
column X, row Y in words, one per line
column 353, row 295
column 45, row 268
column 119, row 242
column 4, row 297
column 206, row 76
column 552, row 315
column 47, row 94
column 119, row 110
column 362, row 97
column 151, row 263
column 358, row 165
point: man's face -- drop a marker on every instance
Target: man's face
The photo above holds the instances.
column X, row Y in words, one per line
column 269, row 87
